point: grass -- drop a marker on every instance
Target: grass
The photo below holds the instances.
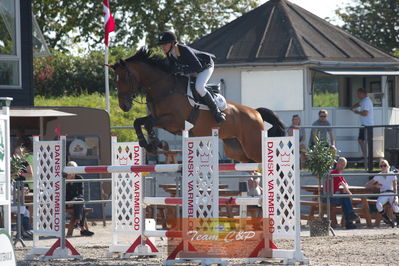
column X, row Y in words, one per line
column 325, row 100
column 97, row 100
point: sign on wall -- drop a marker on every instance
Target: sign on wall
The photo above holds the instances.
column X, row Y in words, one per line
column 277, row 90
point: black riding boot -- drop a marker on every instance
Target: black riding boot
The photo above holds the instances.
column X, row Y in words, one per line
column 397, row 220
column 217, row 114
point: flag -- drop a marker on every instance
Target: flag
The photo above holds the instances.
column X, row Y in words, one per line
column 109, row 23
column 57, row 130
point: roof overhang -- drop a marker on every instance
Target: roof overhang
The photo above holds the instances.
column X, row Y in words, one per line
column 357, row 72
column 38, row 113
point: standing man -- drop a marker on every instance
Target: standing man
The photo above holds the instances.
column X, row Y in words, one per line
column 340, row 186
column 364, row 108
column 321, row 132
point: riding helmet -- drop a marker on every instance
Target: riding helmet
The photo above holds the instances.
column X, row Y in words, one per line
column 167, row 37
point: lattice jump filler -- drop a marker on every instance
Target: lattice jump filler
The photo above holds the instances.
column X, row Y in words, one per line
column 128, row 213
column 49, row 200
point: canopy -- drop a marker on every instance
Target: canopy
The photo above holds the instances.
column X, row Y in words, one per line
column 358, row 72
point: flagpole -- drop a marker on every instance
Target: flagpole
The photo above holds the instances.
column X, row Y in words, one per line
column 106, row 80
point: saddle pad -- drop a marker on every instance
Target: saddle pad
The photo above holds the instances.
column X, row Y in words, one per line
column 220, row 100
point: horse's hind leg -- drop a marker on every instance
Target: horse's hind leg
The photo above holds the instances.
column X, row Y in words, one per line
column 251, row 142
column 233, row 150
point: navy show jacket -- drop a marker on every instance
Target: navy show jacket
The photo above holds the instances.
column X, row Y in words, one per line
column 193, row 60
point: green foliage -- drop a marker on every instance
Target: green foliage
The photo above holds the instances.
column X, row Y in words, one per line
column 320, row 158
column 325, row 100
column 97, row 100
column 375, row 21
column 63, row 74
column 65, row 23
column 17, row 164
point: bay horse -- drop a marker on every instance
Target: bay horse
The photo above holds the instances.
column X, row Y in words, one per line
column 148, row 74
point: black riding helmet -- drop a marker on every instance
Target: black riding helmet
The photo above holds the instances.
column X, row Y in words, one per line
column 167, row 37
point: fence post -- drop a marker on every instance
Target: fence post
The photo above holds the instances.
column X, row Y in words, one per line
column 369, row 130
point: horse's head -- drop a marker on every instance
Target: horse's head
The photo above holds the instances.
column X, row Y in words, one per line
column 127, row 83
column 137, row 74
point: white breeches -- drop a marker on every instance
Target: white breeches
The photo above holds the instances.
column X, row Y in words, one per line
column 202, row 79
column 384, row 199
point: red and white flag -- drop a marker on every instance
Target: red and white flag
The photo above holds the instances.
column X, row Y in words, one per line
column 109, row 23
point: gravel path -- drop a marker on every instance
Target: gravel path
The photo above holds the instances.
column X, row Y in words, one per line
column 377, row 246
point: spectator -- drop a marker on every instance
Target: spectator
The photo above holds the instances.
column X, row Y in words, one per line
column 74, row 192
column 254, row 188
column 23, row 172
column 296, row 122
column 26, row 172
column 322, row 131
column 340, row 186
column 26, row 230
column 23, row 140
column 364, row 108
column 386, row 184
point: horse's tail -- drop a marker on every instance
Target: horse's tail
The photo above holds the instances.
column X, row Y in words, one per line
column 269, row 116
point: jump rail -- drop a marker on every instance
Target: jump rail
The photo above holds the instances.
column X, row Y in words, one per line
column 158, row 168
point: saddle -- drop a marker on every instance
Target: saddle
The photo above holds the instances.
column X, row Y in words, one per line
column 196, row 100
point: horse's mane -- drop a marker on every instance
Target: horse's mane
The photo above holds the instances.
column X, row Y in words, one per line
column 147, row 56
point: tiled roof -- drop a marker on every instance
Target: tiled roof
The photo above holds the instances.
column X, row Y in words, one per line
column 280, row 31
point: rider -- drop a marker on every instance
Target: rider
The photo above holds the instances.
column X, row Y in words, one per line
column 196, row 63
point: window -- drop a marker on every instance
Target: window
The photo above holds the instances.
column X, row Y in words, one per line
column 329, row 91
column 9, row 43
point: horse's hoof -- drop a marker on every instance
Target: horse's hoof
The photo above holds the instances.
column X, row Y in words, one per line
column 143, row 143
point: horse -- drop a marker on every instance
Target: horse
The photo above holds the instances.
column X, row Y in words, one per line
column 149, row 75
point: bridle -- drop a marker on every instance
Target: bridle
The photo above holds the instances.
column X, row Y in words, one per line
column 131, row 94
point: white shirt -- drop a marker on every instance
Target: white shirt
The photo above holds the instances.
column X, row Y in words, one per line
column 367, row 104
column 386, row 182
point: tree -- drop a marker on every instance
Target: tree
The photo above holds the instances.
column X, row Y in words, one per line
column 65, row 23
column 375, row 21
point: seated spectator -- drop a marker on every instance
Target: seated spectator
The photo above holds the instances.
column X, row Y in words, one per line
column 25, row 171
column 340, row 186
column 26, row 230
column 23, row 140
column 386, row 184
column 74, row 192
column 296, row 122
column 254, row 188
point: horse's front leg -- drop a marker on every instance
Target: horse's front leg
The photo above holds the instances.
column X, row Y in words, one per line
column 153, row 141
column 140, row 135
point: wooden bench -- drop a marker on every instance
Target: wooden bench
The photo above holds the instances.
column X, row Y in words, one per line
column 73, row 221
column 334, row 210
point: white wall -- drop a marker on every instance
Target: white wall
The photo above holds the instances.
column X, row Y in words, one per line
column 280, row 90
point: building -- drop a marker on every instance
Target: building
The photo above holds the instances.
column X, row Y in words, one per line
column 285, row 58
column 16, row 52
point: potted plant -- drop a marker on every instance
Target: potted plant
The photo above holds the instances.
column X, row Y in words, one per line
column 320, row 159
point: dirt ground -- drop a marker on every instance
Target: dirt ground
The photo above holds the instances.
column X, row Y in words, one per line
column 364, row 246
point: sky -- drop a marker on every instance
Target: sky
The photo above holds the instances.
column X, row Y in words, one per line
column 323, row 8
